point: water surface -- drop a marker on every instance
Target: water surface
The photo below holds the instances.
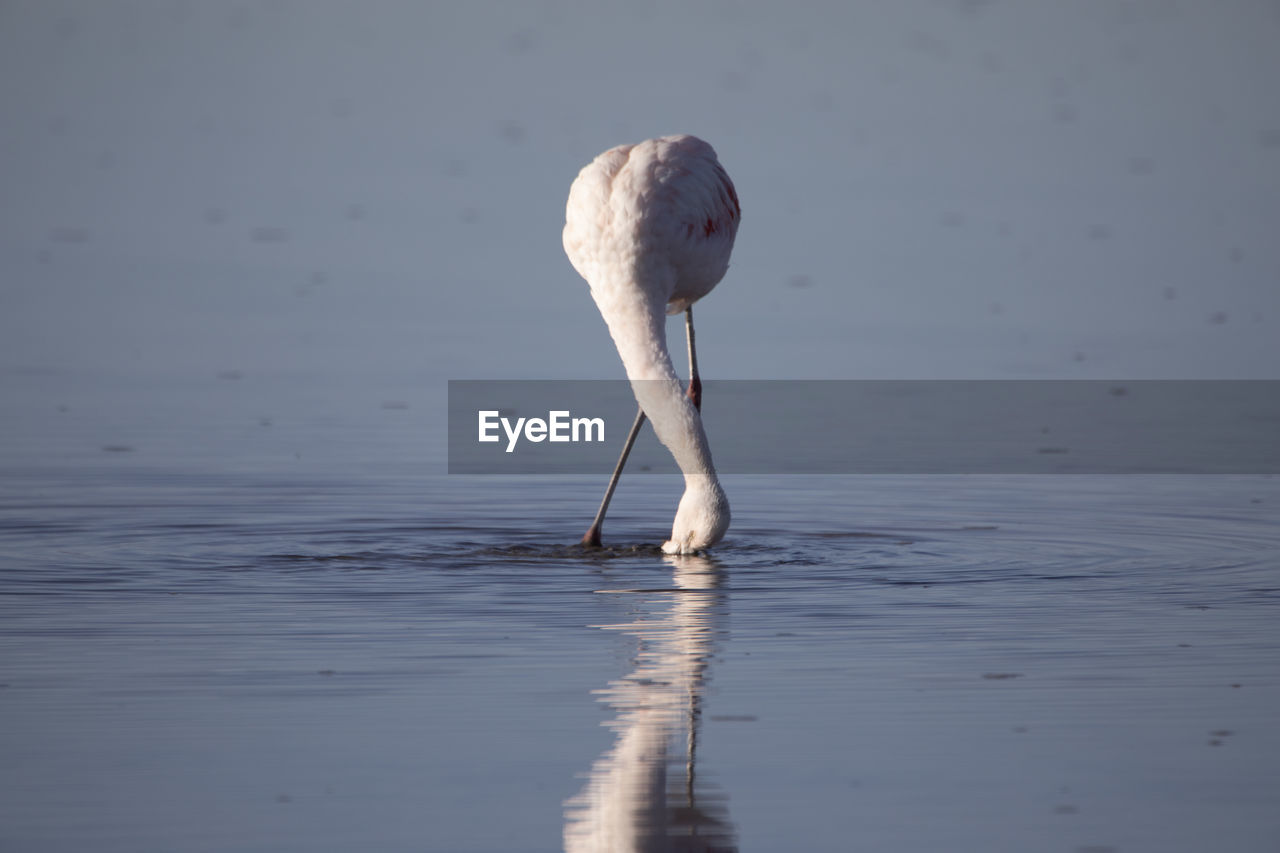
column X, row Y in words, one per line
column 281, row 631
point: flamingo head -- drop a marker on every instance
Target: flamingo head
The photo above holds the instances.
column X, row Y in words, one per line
column 702, row 517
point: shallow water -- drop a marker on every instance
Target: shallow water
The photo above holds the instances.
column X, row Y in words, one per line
column 234, row 633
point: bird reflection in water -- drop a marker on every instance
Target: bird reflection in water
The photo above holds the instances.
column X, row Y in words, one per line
column 643, row 794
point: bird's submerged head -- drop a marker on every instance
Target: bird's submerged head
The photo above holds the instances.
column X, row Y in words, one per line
column 702, row 517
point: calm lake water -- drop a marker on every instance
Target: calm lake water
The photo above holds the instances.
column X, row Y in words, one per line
column 234, row 621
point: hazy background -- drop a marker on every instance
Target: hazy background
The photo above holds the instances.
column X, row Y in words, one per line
column 243, row 245
column 344, row 195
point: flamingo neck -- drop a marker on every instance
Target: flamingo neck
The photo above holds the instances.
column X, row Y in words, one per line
column 638, row 325
column 639, row 331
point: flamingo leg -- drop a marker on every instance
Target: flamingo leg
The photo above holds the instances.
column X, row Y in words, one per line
column 591, row 538
column 695, row 383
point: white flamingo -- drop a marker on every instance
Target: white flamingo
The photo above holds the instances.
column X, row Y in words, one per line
column 650, row 227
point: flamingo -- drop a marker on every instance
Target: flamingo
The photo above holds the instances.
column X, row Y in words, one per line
column 650, row 226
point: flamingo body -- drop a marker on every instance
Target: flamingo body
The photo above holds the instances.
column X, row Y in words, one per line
column 650, row 227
